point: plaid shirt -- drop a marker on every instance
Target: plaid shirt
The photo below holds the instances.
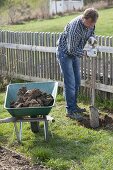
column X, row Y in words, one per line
column 74, row 37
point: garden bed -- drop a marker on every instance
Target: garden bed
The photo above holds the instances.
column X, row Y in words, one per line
column 12, row 161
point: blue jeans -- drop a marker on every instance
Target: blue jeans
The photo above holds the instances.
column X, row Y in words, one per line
column 70, row 69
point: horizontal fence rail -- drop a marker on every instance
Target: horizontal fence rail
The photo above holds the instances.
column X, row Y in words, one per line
column 49, row 49
column 31, row 56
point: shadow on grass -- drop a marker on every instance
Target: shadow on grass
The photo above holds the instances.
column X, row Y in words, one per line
column 61, row 152
column 65, row 149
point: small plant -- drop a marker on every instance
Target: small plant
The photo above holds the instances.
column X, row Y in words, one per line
column 58, row 164
column 4, row 81
column 41, row 154
column 60, row 98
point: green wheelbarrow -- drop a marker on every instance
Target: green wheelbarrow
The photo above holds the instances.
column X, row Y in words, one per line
column 29, row 114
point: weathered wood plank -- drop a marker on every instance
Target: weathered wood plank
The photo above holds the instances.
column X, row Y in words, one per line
column 53, row 57
column 107, row 61
column 35, row 55
column 41, row 55
column 111, row 62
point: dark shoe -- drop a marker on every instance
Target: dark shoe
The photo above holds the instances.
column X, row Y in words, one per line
column 80, row 110
column 75, row 116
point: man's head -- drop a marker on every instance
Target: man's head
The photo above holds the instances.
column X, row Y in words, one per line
column 90, row 17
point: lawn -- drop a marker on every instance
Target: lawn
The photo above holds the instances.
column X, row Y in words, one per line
column 104, row 25
column 71, row 146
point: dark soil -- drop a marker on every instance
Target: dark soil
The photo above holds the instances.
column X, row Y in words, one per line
column 32, row 98
column 104, row 122
column 12, row 161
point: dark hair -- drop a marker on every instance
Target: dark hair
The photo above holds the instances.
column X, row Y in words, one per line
column 91, row 13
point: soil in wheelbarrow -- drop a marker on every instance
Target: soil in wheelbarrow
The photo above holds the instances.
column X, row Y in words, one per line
column 105, row 121
column 32, row 98
column 12, row 161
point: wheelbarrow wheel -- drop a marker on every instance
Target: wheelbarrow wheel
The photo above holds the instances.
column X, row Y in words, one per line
column 34, row 125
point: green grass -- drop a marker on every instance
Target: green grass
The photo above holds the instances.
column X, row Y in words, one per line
column 104, row 25
column 71, row 146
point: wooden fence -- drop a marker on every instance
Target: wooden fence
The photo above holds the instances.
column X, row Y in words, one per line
column 31, row 56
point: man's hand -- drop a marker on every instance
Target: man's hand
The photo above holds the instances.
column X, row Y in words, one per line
column 92, row 41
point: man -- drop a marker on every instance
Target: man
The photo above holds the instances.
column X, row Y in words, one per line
column 69, row 51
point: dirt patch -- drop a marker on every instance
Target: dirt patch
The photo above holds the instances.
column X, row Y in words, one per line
column 32, row 98
column 104, row 122
column 10, row 160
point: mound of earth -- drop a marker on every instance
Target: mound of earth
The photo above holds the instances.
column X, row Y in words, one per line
column 32, row 98
column 105, row 121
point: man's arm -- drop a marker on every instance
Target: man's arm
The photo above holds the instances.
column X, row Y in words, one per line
column 73, row 40
column 92, row 39
column 93, row 32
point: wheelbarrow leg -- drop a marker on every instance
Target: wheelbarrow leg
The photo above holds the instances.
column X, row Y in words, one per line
column 46, row 129
column 18, row 132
